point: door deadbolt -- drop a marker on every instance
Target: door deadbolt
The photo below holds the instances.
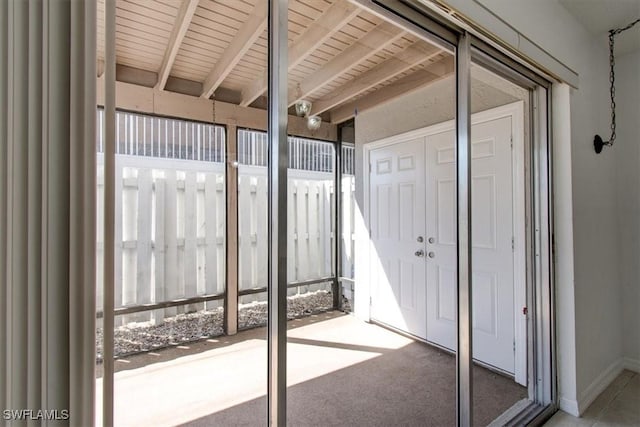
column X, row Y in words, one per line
column 420, row 239
column 432, row 240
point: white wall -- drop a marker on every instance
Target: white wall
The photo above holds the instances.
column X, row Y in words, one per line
column 627, row 157
column 430, row 105
column 596, row 266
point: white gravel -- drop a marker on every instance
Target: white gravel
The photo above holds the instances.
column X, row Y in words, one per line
column 140, row 337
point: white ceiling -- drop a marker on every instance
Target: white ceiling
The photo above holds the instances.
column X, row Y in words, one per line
column 599, row 16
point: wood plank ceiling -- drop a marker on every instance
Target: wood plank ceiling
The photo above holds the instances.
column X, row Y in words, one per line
column 341, row 58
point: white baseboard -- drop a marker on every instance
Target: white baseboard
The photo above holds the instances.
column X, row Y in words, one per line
column 631, row 364
column 570, row 406
column 577, row 407
column 599, row 385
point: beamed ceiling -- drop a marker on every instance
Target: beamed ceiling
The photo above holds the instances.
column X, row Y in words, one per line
column 341, row 57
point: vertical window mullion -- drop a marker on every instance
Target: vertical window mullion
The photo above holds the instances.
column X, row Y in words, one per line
column 464, row 386
column 277, row 46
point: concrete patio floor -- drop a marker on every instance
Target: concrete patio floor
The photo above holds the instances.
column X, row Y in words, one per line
column 341, row 371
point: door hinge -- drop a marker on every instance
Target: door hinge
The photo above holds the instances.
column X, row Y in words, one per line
column 370, row 168
column 514, row 346
column 513, row 243
column 511, row 141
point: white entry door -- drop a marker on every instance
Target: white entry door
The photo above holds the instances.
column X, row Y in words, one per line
column 412, row 197
column 397, row 203
column 492, row 234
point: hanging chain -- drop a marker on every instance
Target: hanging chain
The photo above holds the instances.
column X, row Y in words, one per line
column 612, row 78
column 612, row 87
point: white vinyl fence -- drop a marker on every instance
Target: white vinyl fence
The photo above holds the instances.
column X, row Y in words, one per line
column 309, row 232
column 171, row 213
column 169, row 231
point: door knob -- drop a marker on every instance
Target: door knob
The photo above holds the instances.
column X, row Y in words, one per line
column 419, row 253
column 432, row 254
column 420, row 239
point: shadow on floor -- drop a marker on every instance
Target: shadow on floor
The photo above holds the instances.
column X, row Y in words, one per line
column 410, row 386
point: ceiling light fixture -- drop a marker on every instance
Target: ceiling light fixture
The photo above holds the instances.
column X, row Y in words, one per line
column 314, row 122
column 303, row 108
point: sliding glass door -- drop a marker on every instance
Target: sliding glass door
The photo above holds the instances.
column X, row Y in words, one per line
column 325, row 212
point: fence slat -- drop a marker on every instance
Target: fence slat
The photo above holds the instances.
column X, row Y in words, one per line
column 143, row 244
column 221, row 232
column 302, row 220
column 129, row 236
column 180, row 211
column 201, row 267
column 347, row 226
column 171, row 239
column 244, row 229
column 118, row 239
column 314, row 222
column 211, row 233
column 262, row 244
column 327, row 233
column 159, row 247
column 291, row 230
column 190, row 237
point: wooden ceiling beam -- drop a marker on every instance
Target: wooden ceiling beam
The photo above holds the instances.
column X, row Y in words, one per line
column 403, row 61
column 373, row 42
column 403, row 86
column 242, row 42
column 334, row 18
column 183, row 20
column 132, row 97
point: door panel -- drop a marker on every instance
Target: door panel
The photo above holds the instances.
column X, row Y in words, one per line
column 441, row 220
column 492, row 231
column 492, row 234
column 397, row 219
